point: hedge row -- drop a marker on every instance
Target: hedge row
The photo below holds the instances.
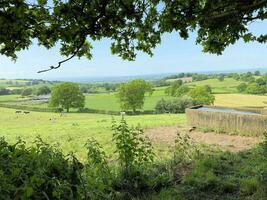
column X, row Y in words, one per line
column 23, row 107
column 82, row 110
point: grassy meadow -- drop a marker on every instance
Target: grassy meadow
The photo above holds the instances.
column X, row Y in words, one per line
column 227, row 86
column 72, row 130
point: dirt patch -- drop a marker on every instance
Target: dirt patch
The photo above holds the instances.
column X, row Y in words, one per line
column 232, row 143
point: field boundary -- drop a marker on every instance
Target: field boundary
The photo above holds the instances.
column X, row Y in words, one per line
column 83, row 110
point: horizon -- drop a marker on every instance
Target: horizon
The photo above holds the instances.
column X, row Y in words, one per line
column 155, row 76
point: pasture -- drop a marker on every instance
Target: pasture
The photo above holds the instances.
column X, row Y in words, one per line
column 109, row 102
column 227, row 86
column 72, row 130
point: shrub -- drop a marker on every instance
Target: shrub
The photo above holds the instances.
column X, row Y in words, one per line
column 97, row 174
column 221, row 77
column 43, row 90
column 242, row 87
column 185, row 149
column 172, row 90
column 175, row 106
column 253, row 88
column 4, row 91
column 182, row 90
column 37, row 172
column 27, row 92
column 135, row 156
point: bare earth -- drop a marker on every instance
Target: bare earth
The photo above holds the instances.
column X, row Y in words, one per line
column 232, row 143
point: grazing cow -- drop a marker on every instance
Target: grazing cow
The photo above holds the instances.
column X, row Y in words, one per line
column 18, row 111
column 26, row 112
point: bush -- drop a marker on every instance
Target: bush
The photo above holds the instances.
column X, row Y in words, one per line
column 242, row 87
column 182, row 90
column 135, row 155
column 4, row 91
column 27, row 92
column 253, row 88
column 37, row 172
column 175, row 106
column 43, row 90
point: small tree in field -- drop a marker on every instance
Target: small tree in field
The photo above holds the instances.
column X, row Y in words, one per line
column 132, row 94
column 202, row 95
column 66, row 96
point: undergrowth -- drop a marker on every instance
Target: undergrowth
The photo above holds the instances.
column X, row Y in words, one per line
column 42, row 171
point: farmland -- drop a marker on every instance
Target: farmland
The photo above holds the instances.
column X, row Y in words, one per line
column 72, row 130
column 225, row 95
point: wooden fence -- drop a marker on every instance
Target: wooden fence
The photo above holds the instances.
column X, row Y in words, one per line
column 243, row 124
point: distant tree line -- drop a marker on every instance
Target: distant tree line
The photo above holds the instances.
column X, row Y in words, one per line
column 255, row 86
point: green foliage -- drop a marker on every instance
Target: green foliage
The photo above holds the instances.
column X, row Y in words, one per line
column 67, row 95
column 202, row 95
column 247, row 77
column 182, row 90
column 208, row 88
column 43, row 90
column 185, row 149
column 221, row 78
column 132, row 26
column 27, row 92
column 172, row 89
column 242, row 87
column 135, row 156
column 97, row 174
column 4, row 91
column 200, row 77
column 228, row 176
column 37, row 172
column 132, row 94
column 254, row 88
column 177, row 105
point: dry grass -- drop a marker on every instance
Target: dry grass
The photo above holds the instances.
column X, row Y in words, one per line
column 239, row 100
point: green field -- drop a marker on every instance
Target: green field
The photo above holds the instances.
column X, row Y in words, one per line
column 226, row 86
column 8, row 98
column 110, row 102
column 72, row 130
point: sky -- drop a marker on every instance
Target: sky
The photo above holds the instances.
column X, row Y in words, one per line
column 173, row 55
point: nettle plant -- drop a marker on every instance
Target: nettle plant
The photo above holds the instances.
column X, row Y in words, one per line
column 135, row 157
column 185, row 149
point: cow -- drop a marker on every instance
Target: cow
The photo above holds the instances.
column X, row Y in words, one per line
column 18, row 111
column 26, row 112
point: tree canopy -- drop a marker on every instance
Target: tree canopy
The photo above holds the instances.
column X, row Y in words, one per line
column 202, row 95
column 67, row 95
column 132, row 25
column 132, row 94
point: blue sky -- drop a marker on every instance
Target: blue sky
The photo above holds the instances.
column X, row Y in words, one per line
column 172, row 55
